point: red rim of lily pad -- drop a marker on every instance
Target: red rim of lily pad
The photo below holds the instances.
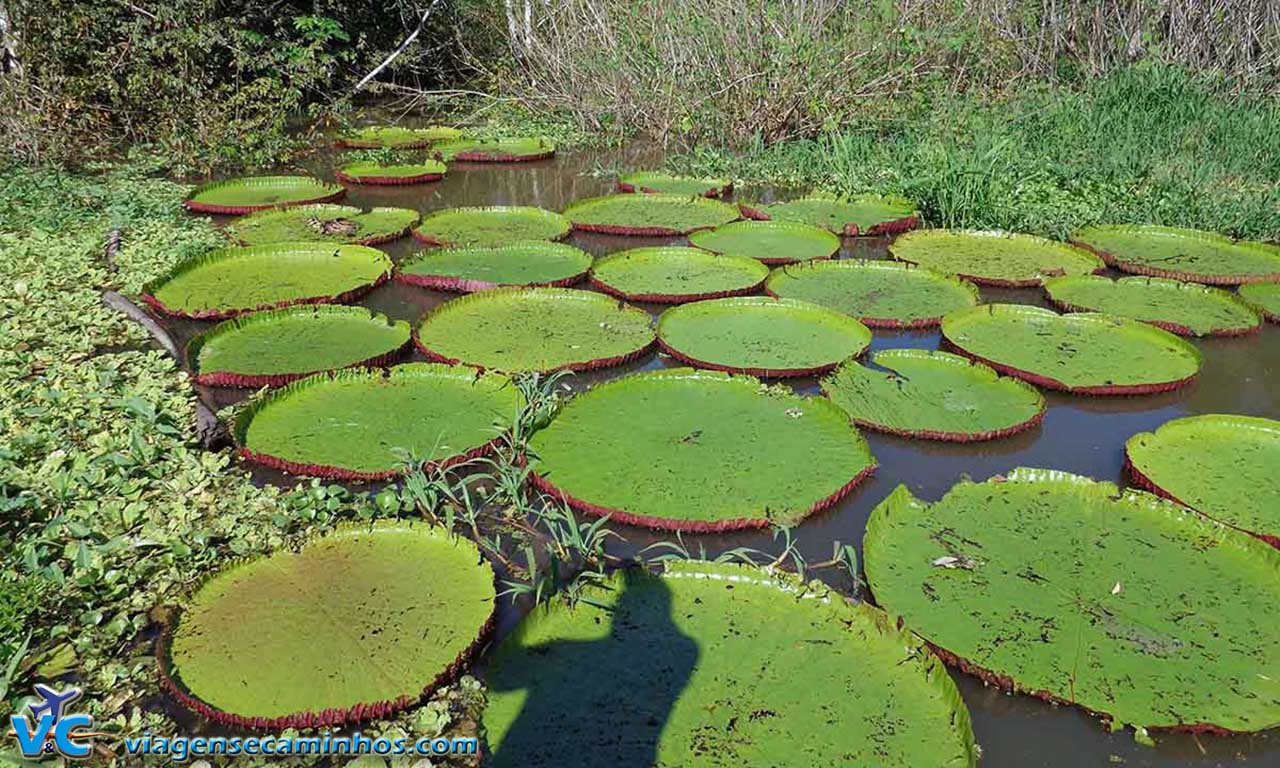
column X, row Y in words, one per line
column 893, row 227
column 587, row 365
column 346, row 297
column 719, row 190
column 1168, row 325
column 1137, row 268
column 642, row 231
column 457, row 284
column 387, row 181
column 676, row 298
column 196, row 206
column 241, row 380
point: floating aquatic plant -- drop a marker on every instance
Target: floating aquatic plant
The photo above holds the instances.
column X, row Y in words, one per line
column 652, row 182
column 523, row 263
column 649, row 215
column 674, row 275
column 882, row 294
column 491, row 225
column 769, row 242
column 866, row 215
column 1265, row 297
column 1182, row 254
column 996, row 258
column 325, row 223
column 513, row 150
column 1187, row 309
column 391, row 174
column 397, row 137
column 257, row 193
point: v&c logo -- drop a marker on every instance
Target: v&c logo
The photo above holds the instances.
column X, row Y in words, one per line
column 51, row 729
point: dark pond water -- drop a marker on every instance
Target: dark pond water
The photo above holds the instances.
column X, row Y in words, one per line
column 1079, row 434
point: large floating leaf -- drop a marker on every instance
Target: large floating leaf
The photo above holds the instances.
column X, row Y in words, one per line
column 652, row 215
column 274, row 348
column 363, row 425
column 1264, row 296
column 882, row 294
column 397, row 137
column 535, row 329
column 1187, row 309
column 933, row 395
column 491, row 225
column 1127, row 605
column 353, row 626
column 770, row 242
column 323, row 223
column 1084, row 353
column 391, row 174
column 231, row 281
column 674, row 275
column 1182, row 254
column 1226, row 466
column 664, row 183
column 694, row 450
column 861, row 215
column 524, row 263
column 257, row 193
column 992, row 257
column 761, row 335
column 512, row 150
column 718, row 665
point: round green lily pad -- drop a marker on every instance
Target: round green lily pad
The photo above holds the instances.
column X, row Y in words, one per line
column 769, row 242
column 1226, row 466
column 1182, row 254
column 368, row 424
column 276, row 347
column 860, row 215
column 353, row 626
column 397, row 137
column 882, row 294
column 1264, row 296
column 326, row 223
column 1084, row 353
column 680, row 449
column 761, row 335
column 257, row 193
column 1187, row 309
column 742, row 667
column 675, row 275
column 1127, row 605
column 993, row 258
column 232, row 281
column 491, row 225
column 934, row 396
column 391, row 174
column 652, row 182
column 648, row 215
column 535, row 329
column 524, row 263
column 513, row 150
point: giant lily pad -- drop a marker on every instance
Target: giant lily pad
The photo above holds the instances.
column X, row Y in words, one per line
column 761, row 335
column 1084, row 353
column 491, row 225
column 992, row 257
column 1182, row 254
column 535, row 329
column 514, row 150
column 649, row 215
column 933, row 395
column 862, row 215
column 1264, row 296
column 391, row 174
column 366, row 425
column 274, row 348
column 652, row 182
column 882, row 294
column 680, row 449
column 1187, row 309
column 257, row 193
column 524, row 263
column 769, row 242
column 232, row 281
column 353, row 626
column 675, row 275
column 1226, row 466
column 323, row 223
column 397, row 137
column 741, row 667
column 1056, row 585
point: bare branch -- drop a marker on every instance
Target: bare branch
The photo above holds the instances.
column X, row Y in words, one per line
column 408, row 41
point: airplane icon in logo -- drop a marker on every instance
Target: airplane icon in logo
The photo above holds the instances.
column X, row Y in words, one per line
column 53, row 701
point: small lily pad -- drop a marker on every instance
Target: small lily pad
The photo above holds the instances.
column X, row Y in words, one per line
column 491, row 225
column 1264, row 296
column 882, row 294
column 397, row 137
column 391, row 174
column 680, row 449
column 675, row 275
column 1182, row 254
column 276, row 347
column 514, row 150
column 934, row 396
column 535, row 329
column 324, row 223
column 769, row 242
column 525, row 264
column 1187, row 309
column 649, row 215
column 993, row 258
column 867, row 215
column 258, row 193
column 651, row 182
column 761, row 335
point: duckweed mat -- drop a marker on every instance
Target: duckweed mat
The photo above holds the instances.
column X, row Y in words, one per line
column 769, row 242
column 680, row 449
column 324, row 223
column 1187, row 309
column 491, row 225
column 523, row 263
column 397, row 137
column 257, row 193
column 882, row 294
column 866, row 215
column 391, row 174
column 1003, row 259
column 648, row 215
column 1129, row 606
column 1182, row 254
column 674, row 275
column 652, row 182
column 513, row 150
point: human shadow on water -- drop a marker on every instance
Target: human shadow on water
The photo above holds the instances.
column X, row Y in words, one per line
column 598, row 703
